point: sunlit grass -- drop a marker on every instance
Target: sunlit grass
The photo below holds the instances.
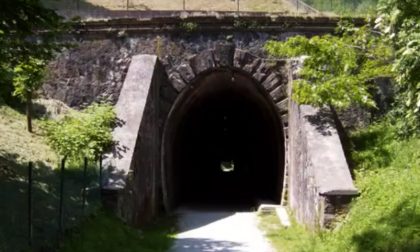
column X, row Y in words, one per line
column 386, row 217
column 16, row 141
column 203, row 5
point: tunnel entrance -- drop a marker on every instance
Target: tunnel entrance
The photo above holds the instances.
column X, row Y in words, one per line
column 223, row 144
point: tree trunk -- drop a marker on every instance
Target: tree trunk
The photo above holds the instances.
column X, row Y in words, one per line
column 29, row 112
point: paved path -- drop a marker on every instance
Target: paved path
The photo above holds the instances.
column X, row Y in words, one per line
column 211, row 231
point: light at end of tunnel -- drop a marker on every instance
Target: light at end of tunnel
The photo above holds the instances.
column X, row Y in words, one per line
column 227, row 166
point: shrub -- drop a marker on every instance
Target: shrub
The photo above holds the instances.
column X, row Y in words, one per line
column 82, row 134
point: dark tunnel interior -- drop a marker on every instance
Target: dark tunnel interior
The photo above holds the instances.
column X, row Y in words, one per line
column 227, row 149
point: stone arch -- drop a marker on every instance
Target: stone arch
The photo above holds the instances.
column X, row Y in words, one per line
column 270, row 78
column 319, row 175
column 272, row 74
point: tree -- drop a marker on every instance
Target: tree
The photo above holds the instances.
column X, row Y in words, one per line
column 338, row 68
column 400, row 23
column 27, row 80
column 27, row 30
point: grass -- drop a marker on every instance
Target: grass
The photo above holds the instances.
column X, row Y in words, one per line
column 17, row 147
column 88, row 231
column 221, row 5
column 386, row 217
column 328, row 7
column 344, row 7
column 296, row 238
column 20, row 144
column 104, row 232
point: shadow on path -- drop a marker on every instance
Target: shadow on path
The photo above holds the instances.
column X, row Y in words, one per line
column 208, row 245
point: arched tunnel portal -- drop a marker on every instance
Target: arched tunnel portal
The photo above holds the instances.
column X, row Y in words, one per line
column 223, row 144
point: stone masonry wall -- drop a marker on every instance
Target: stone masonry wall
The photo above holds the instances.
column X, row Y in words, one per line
column 94, row 68
column 302, row 189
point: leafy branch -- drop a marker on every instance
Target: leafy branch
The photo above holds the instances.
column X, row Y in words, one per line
column 86, row 133
column 338, row 68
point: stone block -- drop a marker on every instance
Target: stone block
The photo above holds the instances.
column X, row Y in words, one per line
column 262, row 71
column 282, row 106
column 242, row 58
column 252, row 67
column 177, row 81
column 202, row 62
column 279, row 93
column 271, row 82
column 224, row 54
column 186, row 72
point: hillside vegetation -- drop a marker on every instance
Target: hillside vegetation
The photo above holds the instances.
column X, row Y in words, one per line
column 18, row 144
column 386, row 216
column 344, row 7
column 204, row 5
column 17, row 148
column 328, row 7
column 99, row 232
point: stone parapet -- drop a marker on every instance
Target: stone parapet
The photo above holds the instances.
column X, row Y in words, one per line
column 132, row 171
column 320, row 183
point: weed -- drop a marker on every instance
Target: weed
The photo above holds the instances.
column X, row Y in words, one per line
column 188, row 26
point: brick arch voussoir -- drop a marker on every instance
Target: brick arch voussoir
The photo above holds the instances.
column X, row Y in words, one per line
column 265, row 72
column 182, row 75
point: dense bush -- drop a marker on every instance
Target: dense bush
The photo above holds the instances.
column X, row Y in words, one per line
column 385, row 217
column 399, row 21
column 82, row 134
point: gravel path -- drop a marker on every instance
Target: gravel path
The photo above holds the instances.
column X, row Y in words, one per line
column 210, row 231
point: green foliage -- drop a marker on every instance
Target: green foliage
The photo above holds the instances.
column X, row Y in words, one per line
column 21, row 40
column 20, row 20
column 28, row 78
column 386, row 216
column 82, row 134
column 337, row 69
column 17, row 147
column 188, row 26
column 6, row 81
column 105, row 232
column 400, row 23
